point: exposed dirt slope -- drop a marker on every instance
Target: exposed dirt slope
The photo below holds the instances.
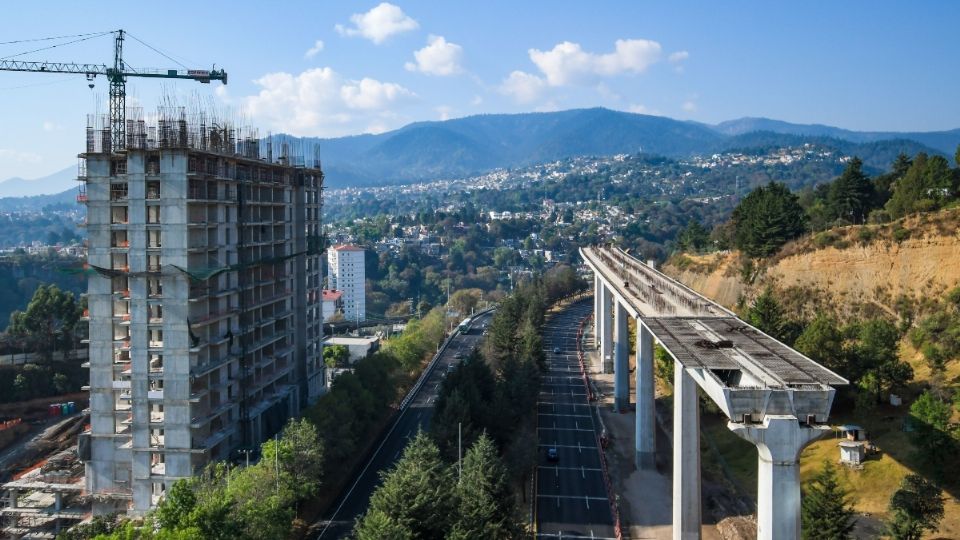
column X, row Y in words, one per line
column 845, row 268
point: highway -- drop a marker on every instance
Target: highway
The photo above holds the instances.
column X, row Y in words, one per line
column 353, row 503
column 571, row 497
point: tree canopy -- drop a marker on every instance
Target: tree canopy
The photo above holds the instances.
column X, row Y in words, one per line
column 766, row 219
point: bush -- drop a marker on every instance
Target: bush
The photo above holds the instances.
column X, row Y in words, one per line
column 900, row 233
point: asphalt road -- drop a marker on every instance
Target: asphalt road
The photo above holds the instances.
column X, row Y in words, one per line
column 353, row 503
column 571, row 495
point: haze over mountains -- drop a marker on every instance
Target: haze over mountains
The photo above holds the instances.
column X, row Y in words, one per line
column 475, row 144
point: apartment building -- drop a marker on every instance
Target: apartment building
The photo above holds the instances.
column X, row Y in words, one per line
column 347, row 274
column 204, row 307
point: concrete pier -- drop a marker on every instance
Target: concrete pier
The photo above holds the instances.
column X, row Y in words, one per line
column 686, row 456
column 646, row 427
column 606, row 330
column 596, row 310
column 621, row 361
column 779, row 441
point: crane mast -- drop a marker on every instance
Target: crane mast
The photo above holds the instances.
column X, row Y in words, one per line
column 117, row 78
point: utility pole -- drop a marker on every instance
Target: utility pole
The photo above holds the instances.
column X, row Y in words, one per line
column 459, row 452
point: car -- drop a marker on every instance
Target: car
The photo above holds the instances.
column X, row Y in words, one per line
column 459, row 356
column 451, row 368
column 556, row 350
column 552, row 455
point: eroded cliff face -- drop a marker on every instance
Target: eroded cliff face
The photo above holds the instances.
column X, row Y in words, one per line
column 850, row 266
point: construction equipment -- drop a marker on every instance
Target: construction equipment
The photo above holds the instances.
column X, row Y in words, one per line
column 117, row 76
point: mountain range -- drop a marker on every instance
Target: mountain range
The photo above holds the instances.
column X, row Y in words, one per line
column 476, row 144
column 57, row 182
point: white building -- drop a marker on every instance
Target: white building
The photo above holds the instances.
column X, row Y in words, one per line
column 332, row 303
column 347, row 275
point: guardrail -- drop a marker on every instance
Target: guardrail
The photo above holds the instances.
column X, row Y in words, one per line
column 614, row 510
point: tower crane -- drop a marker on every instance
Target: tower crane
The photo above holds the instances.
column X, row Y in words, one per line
column 117, row 76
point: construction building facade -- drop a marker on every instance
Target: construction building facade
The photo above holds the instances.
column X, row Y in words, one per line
column 204, row 298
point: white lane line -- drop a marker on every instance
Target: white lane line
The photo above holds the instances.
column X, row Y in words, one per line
column 578, row 447
column 577, row 497
column 581, row 468
column 562, row 429
column 565, row 415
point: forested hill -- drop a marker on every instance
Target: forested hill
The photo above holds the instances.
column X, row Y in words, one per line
column 476, row 144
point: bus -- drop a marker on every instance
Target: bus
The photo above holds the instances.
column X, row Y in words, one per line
column 464, row 325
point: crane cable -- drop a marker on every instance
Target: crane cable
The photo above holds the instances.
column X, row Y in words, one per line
column 50, row 38
column 156, row 50
column 55, row 46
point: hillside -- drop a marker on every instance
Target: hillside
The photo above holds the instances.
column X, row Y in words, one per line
column 944, row 141
column 476, row 144
column 847, row 270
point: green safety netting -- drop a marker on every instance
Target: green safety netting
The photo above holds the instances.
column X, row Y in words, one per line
column 315, row 246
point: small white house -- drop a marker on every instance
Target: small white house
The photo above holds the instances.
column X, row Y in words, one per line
column 852, row 452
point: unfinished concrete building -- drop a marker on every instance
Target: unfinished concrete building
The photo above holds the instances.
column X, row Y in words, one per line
column 204, row 298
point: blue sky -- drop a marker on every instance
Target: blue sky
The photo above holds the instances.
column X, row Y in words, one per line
column 340, row 68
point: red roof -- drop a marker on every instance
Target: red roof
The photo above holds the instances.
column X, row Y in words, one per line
column 346, row 247
column 331, row 295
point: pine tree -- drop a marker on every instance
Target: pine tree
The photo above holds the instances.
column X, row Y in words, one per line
column 485, row 500
column 850, row 195
column 826, row 510
column 766, row 219
column 416, row 496
column 915, row 507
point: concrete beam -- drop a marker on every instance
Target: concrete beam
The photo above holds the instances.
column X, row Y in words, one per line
column 779, row 441
column 646, row 426
column 686, row 456
column 621, row 361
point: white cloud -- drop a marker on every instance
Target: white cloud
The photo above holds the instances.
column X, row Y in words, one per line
column 378, row 24
column 313, row 51
column 439, row 57
column 51, row 126
column 567, row 62
column 370, row 94
column 523, row 87
column 677, row 57
column 477, row 100
column 639, row 109
column 18, row 156
column 689, row 106
column 443, row 111
column 320, row 102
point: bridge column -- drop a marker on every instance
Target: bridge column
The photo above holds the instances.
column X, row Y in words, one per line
column 596, row 310
column 646, row 425
column 606, row 330
column 621, row 362
column 779, row 441
column 686, row 456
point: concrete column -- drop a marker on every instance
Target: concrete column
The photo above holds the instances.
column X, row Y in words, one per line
column 646, row 425
column 686, row 456
column 606, row 330
column 621, row 362
column 13, row 494
column 596, row 311
column 779, row 441
column 57, row 501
